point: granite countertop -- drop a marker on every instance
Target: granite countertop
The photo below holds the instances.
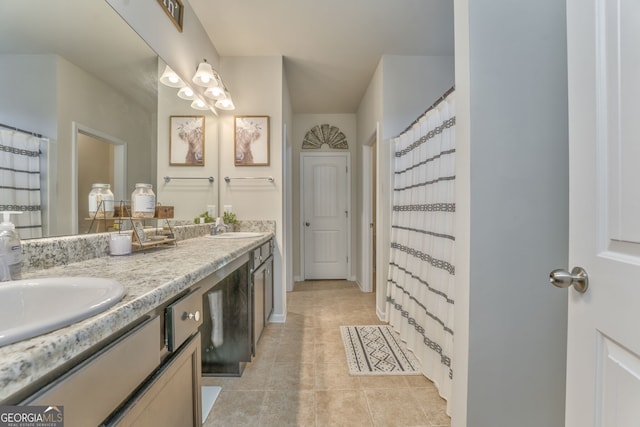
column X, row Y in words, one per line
column 150, row 279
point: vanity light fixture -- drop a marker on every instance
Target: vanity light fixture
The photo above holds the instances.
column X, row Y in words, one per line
column 199, row 104
column 217, row 91
column 214, row 92
column 225, row 103
column 170, row 78
column 187, row 93
column 204, row 75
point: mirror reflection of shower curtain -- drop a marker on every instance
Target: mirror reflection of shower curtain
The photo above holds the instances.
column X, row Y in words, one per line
column 420, row 288
column 20, row 181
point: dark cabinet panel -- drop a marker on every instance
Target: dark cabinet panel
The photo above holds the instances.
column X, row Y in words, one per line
column 226, row 326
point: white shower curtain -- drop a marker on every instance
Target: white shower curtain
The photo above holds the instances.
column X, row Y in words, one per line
column 420, row 289
column 20, row 181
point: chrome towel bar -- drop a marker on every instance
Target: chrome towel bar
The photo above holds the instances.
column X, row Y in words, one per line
column 265, row 178
column 169, row 178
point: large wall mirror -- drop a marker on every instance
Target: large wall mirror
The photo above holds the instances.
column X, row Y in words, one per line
column 75, row 72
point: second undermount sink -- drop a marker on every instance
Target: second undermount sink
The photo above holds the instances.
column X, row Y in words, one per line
column 33, row 307
column 236, row 235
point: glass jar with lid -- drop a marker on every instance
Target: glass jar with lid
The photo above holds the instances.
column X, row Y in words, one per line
column 101, row 201
column 143, row 201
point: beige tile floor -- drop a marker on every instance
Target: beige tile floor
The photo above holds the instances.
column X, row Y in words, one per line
column 299, row 376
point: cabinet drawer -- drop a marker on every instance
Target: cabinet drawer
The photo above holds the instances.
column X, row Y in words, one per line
column 265, row 250
column 183, row 318
column 96, row 387
column 262, row 253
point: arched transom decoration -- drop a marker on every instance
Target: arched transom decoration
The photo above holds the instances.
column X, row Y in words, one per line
column 325, row 134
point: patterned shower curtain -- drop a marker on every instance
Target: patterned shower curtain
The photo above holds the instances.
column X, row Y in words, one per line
column 20, row 181
column 420, row 288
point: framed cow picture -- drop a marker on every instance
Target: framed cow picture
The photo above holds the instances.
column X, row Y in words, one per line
column 251, row 140
column 186, row 141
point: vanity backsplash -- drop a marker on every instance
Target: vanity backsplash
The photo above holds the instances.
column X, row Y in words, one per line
column 39, row 254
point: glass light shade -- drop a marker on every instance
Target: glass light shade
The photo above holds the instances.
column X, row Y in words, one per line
column 199, row 104
column 170, row 78
column 204, row 76
column 187, row 93
column 225, row 103
column 214, row 92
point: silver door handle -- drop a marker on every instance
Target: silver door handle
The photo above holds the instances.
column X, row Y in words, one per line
column 563, row 279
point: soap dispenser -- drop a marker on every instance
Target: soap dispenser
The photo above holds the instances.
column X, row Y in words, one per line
column 10, row 247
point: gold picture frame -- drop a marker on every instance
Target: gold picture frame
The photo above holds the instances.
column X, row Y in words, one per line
column 186, row 140
column 251, row 140
column 174, row 10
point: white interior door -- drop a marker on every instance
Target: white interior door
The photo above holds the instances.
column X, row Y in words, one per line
column 325, row 215
column 603, row 355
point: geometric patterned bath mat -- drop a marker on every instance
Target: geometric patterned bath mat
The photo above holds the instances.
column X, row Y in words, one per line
column 377, row 350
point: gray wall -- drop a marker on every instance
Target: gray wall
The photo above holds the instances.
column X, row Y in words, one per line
column 410, row 85
column 512, row 209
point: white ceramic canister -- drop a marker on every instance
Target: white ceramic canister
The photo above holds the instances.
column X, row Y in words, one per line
column 101, row 201
column 143, row 201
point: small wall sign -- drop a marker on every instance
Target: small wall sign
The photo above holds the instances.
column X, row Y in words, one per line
column 174, row 10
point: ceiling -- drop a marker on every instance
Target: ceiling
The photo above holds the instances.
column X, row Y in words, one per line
column 331, row 48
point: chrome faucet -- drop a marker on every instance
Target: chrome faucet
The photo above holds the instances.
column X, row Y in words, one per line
column 219, row 227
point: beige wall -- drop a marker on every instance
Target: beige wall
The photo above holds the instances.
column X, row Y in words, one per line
column 287, row 202
column 92, row 103
column 369, row 119
column 189, row 197
column 69, row 94
column 73, row 95
column 257, row 89
column 95, row 165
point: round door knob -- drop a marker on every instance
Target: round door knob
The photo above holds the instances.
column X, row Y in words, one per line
column 563, row 279
column 193, row 316
column 307, row 224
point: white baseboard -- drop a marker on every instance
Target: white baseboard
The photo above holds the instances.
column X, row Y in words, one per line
column 209, row 396
column 362, row 289
column 277, row 318
column 382, row 315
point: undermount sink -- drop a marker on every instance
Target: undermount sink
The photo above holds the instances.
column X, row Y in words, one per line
column 236, row 235
column 33, row 307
